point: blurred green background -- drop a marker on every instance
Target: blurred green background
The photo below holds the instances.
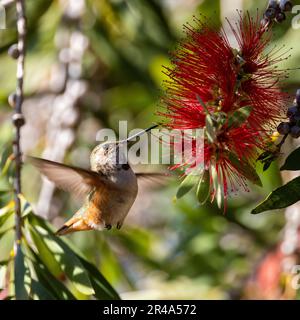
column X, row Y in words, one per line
column 94, row 63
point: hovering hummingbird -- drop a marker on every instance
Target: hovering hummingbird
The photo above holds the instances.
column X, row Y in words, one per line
column 110, row 187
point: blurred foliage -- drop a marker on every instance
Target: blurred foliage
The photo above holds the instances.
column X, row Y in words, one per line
column 287, row 194
column 165, row 249
column 42, row 266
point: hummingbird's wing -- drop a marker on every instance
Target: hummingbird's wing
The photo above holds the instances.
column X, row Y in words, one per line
column 69, row 178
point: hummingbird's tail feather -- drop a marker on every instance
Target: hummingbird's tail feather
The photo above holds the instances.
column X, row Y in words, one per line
column 73, row 225
column 63, row 230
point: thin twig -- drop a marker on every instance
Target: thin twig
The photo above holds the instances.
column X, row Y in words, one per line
column 18, row 119
column 282, row 141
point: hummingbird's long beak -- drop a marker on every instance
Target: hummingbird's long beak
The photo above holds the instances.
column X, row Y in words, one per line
column 139, row 133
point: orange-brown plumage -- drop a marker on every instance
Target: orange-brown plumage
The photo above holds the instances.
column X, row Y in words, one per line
column 109, row 187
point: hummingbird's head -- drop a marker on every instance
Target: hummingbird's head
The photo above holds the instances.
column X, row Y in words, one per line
column 110, row 154
column 107, row 154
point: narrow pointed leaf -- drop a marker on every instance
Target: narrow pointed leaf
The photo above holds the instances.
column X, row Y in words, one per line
column 103, row 290
column 203, row 188
column 210, row 129
column 5, row 158
column 245, row 168
column 68, row 261
column 202, row 103
column 39, row 292
column 97, row 285
column 219, row 193
column 292, row 162
column 8, row 208
column 26, row 207
column 186, row 185
column 280, row 198
column 65, row 257
column 3, row 233
column 45, row 254
column 4, row 218
column 214, row 177
column 19, row 275
column 53, row 285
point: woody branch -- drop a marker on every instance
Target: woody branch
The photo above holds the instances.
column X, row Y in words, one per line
column 18, row 52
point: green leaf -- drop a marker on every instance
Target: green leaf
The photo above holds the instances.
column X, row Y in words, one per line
column 214, row 177
column 5, row 215
column 45, row 254
column 219, row 192
column 93, row 282
column 56, row 287
column 292, row 162
column 52, row 284
column 35, row 288
column 281, row 198
column 103, row 290
column 5, row 158
column 65, row 257
column 210, row 129
column 19, row 275
column 202, row 103
column 4, row 192
column 245, row 168
column 209, row 122
column 8, row 208
column 7, row 211
column 3, row 233
column 203, row 188
column 239, row 117
column 68, row 261
column 26, row 207
column 186, row 185
column 38, row 291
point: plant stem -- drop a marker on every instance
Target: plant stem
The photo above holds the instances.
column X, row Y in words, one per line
column 282, row 141
column 18, row 119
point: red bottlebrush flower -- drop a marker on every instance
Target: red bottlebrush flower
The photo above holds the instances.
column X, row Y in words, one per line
column 234, row 89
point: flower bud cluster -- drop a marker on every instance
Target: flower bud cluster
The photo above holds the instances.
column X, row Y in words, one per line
column 292, row 127
column 276, row 10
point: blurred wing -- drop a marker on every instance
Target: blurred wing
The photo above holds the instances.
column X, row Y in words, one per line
column 69, row 178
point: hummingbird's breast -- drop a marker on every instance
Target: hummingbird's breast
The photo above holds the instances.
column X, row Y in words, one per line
column 109, row 207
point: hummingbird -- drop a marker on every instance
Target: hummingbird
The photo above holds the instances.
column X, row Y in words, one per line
column 110, row 187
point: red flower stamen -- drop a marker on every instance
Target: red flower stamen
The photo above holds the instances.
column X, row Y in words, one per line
column 206, row 67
